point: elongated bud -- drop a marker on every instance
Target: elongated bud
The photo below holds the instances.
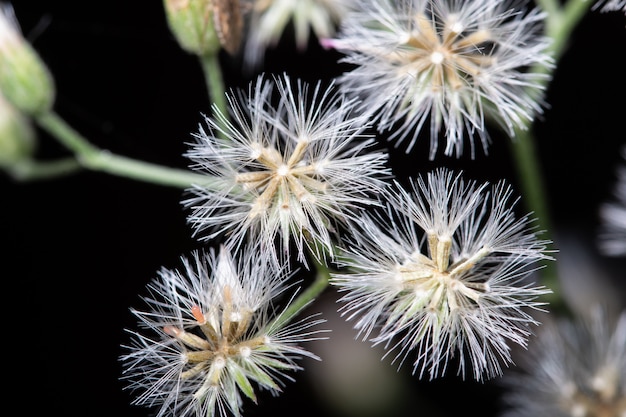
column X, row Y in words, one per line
column 191, row 22
column 24, row 79
column 17, row 136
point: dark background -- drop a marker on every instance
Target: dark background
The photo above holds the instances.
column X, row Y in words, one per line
column 79, row 250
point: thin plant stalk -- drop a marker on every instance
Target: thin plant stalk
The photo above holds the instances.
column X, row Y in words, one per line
column 96, row 159
column 311, row 293
column 215, row 81
column 560, row 23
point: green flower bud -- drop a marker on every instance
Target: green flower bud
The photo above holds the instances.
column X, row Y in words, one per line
column 191, row 22
column 24, row 79
column 17, row 136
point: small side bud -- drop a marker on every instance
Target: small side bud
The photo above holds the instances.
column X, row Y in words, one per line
column 24, row 79
column 191, row 22
column 17, row 136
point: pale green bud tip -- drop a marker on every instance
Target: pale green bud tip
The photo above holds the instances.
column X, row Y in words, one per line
column 191, row 22
column 17, row 136
column 24, row 79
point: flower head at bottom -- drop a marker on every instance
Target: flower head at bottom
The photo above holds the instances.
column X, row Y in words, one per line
column 213, row 335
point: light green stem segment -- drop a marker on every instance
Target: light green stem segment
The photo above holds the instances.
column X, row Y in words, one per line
column 560, row 23
column 535, row 197
column 96, row 159
column 552, row 7
column 307, row 296
column 215, row 82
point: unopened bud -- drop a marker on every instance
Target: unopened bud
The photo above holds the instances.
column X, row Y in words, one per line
column 24, row 79
column 191, row 22
column 17, row 136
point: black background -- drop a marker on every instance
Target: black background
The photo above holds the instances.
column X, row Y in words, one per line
column 79, row 250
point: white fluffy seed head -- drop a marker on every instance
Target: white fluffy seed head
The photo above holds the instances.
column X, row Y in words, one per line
column 438, row 292
column 420, row 65
column 274, row 188
column 183, row 364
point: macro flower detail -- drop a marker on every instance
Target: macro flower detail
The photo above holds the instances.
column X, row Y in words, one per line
column 213, row 335
column 269, row 20
column 294, row 172
column 450, row 64
column 461, row 297
column 575, row 368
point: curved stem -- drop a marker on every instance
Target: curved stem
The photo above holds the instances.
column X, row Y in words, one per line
column 93, row 158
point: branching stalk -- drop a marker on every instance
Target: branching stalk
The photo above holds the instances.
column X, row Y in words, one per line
column 93, row 158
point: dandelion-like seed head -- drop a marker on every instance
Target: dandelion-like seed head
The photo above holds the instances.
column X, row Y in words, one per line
column 213, row 337
column 294, row 170
column 462, row 295
column 451, row 62
column 575, row 368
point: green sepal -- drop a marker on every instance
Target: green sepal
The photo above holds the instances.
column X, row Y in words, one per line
column 242, row 381
column 260, row 376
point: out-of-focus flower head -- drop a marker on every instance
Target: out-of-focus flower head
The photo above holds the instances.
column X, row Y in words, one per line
column 612, row 234
column 606, row 6
column 574, row 368
column 269, row 20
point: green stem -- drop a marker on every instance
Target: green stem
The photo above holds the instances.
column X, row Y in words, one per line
column 31, row 170
column 559, row 25
column 93, row 158
column 214, row 80
column 535, row 197
column 307, row 296
column 530, row 172
column 551, row 7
